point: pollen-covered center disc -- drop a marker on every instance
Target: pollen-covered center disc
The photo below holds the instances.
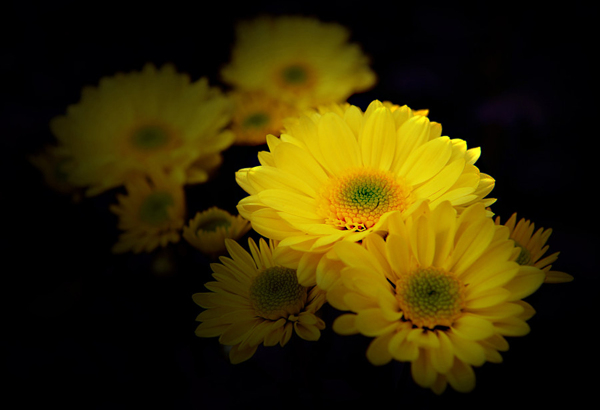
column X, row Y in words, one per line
column 430, row 297
column 276, row 293
column 356, row 200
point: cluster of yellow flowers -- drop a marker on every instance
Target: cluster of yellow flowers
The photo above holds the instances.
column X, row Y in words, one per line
column 282, row 66
column 373, row 212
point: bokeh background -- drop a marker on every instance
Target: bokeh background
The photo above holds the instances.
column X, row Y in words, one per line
column 85, row 329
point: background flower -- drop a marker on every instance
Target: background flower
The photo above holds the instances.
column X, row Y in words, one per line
column 533, row 247
column 208, row 230
column 151, row 214
column 152, row 118
column 298, row 59
column 257, row 115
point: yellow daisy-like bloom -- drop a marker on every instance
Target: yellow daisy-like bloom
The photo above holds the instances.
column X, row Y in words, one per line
column 298, row 59
column 441, row 292
column 255, row 300
column 130, row 122
column 151, row 214
column 208, row 230
column 336, row 176
column 256, row 115
column 533, row 247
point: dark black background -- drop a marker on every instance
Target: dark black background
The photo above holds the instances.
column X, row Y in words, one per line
column 85, row 329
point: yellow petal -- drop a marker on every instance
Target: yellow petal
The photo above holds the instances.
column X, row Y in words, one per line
column 461, row 377
column 527, row 281
column 307, row 332
column 290, row 202
column 467, row 350
column 426, row 161
column 401, row 349
column 370, row 322
column 338, row 143
column 378, row 139
column 239, row 354
column 422, row 371
column 442, row 358
column 377, row 352
column 236, row 332
column 345, row 324
column 422, row 238
column 473, row 327
column 411, row 135
column 300, row 163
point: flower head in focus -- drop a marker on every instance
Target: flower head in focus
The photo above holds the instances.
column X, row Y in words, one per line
column 151, row 214
column 208, row 230
column 441, row 291
column 254, row 300
column 154, row 118
column 336, row 176
column 533, row 246
column 297, row 59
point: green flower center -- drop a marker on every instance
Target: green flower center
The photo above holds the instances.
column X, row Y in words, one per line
column 430, row 297
column 275, row 293
column 212, row 224
column 154, row 209
column 357, row 200
column 257, row 120
column 150, row 137
column 524, row 257
column 294, row 74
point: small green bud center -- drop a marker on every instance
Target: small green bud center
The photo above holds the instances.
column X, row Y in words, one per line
column 524, row 257
column 211, row 225
column 276, row 293
column 294, row 74
column 256, row 120
column 151, row 137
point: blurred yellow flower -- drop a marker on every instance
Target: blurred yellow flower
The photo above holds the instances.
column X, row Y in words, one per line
column 256, row 115
column 208, row 230
column 297, row 59
column 441, row 291
column 255, row 301
column 55, row 164
column 151, row 214
column 533, row 247
column 336, row 176
column 130, row 122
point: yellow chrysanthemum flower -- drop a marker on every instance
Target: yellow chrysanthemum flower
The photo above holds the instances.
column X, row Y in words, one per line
column 151, row 214
column 297, row 59
column 441, row 291
column 255, row 300
column 336, row 176
column 533, row 247
column 256, row 115
column 208, row 230
column 130, row 122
